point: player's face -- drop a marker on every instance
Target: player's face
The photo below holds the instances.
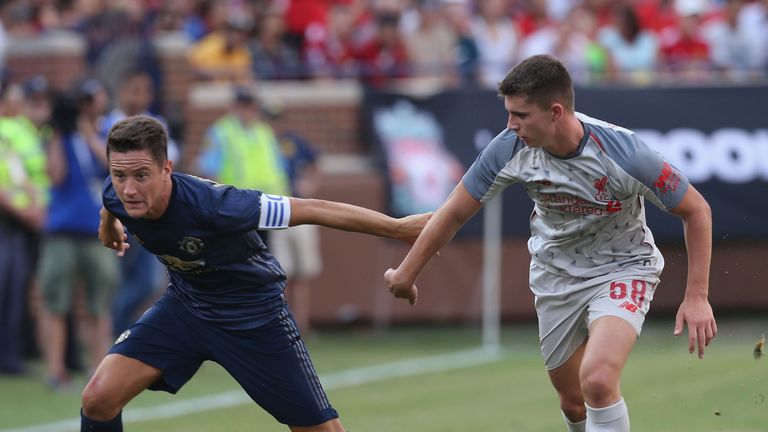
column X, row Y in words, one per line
column 532, row 124
column 143, row 185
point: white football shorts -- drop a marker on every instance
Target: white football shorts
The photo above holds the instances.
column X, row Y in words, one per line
column 566, row 306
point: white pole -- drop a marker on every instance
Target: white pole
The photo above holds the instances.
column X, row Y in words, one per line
column 492, row 235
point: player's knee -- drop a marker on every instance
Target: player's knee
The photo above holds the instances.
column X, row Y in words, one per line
column 572, row 404
column 98, row 404
column 599, row 385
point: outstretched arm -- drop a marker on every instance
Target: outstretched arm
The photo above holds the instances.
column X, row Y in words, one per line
column 452, row 215
column 695, row 309
column 348, row 217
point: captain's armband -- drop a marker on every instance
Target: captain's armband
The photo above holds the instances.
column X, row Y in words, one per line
column 275, row 212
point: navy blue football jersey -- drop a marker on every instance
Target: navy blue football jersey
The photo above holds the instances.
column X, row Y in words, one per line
column 218, row 267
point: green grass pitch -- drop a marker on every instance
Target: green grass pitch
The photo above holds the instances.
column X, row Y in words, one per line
column 666, row 388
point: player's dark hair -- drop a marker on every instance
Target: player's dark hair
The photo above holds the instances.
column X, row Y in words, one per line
column 542, row 79
column 139, row 133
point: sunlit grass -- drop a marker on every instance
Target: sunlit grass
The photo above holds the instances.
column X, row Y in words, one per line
column 666, row 388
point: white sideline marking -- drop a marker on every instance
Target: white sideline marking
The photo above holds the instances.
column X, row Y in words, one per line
column 348, row 378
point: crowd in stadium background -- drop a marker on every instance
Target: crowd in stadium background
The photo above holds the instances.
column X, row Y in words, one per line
column 457, row 42
column 449, row 42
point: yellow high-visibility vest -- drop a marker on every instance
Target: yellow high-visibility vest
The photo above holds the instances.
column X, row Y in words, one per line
column 251, row 158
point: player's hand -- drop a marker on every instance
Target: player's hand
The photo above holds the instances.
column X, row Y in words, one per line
column 112, row 234
column 702, row 328
column 411, row 226
column 399, row 287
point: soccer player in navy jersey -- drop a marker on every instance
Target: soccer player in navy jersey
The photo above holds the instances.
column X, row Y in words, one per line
column 594, row 266
column 225, row 300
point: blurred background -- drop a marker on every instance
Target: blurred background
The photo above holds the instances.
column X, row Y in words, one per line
column 379, row 103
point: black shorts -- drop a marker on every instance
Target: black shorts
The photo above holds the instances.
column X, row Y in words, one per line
column 271, row 363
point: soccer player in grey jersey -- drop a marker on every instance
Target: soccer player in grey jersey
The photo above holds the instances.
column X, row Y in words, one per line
column 594, row 266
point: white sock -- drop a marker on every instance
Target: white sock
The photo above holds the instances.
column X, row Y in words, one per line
column 614, row 418
column 575, row 427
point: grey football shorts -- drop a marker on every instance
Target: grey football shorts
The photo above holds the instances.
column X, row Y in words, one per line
column 566, row 306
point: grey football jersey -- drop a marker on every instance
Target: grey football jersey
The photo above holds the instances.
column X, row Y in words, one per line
column 588, row 218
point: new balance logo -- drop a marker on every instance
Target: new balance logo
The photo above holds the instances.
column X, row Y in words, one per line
column 613, row 206
column 629, row 306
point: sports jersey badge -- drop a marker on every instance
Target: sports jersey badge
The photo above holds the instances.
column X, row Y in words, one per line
column 601, row 194
column 611, row 205
column 191, row 245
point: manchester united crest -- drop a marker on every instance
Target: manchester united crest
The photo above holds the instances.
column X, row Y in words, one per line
column 191, row 245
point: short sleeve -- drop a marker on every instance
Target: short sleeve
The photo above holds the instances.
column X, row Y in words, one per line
column 236, row 210
column 664, row 184
column 481, row 176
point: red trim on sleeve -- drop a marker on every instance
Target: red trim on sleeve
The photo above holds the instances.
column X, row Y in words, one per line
column 591, row 135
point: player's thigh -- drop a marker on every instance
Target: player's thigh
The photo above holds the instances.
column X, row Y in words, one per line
column 273, row 366
column 611, row 340
column 118, row 379
column 169, row 338
column 616, row 316
column 562, row 315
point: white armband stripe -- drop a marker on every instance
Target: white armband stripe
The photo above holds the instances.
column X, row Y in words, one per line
column 274, row 212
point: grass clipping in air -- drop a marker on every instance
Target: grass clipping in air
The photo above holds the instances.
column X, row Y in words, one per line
column 759, row 350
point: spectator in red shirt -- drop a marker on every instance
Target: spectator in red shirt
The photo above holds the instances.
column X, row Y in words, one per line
column 300, row 15
column 329, row 49
column 532, row 17
column 686, row 53
column 660, row 16
column 384, row 57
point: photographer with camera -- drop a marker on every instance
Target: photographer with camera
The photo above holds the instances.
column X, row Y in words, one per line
column 71, row 251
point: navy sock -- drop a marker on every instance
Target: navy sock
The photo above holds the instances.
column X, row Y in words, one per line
column 89, row 425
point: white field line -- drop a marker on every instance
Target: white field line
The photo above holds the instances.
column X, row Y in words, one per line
column 348, row 378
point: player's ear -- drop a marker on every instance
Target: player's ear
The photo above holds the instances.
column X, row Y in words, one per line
column 168, row 166
column 557, row 111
